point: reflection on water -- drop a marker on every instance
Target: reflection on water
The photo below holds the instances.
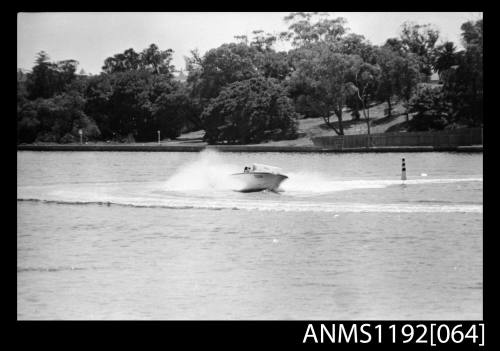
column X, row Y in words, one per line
column 164, row 236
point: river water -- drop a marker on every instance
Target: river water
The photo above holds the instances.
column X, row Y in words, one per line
column 138, row 235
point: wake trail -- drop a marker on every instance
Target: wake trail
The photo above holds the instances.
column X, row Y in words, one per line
column 275, row 206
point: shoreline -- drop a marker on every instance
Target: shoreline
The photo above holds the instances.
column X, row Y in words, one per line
column 244, row 148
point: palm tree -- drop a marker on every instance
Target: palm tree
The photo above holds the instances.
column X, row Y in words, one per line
column 445, row 57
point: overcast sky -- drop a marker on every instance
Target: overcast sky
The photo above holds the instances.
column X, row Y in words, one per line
column 90, row 38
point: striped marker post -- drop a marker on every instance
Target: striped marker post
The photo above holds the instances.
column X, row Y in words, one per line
column 403, row 170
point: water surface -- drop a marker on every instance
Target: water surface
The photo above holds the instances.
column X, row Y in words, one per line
column 118, row 235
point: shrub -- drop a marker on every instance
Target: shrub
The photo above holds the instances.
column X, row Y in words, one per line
column 68, row 138
column 46, row 137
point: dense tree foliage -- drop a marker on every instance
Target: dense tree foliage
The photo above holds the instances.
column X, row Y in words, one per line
column 461, row 96
column 151, row 59
column 56, row 119
column 459, row 101
column 420, row 40
column 246, row 91
column 445, row 57
column 463, row 82
column 325, row 60
column 48, row 78
column 224, row 65
column 430, row 108
column 303, row 30
column 250, row 111
column 399, row 75
column 51, row 104
column 407, row 79
column 330, row 77
column 133, row 98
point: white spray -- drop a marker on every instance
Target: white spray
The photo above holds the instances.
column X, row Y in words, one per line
column 208, row 172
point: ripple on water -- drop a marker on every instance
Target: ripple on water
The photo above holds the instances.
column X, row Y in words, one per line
column 49, row 269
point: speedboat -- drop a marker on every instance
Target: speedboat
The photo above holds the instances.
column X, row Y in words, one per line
column 259, row 177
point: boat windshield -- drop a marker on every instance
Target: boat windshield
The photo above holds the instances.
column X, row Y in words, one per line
column 256, row 167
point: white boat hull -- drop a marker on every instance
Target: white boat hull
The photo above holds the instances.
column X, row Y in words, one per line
column 258, row 181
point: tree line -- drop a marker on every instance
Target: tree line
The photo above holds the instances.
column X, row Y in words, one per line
column 247, row 92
